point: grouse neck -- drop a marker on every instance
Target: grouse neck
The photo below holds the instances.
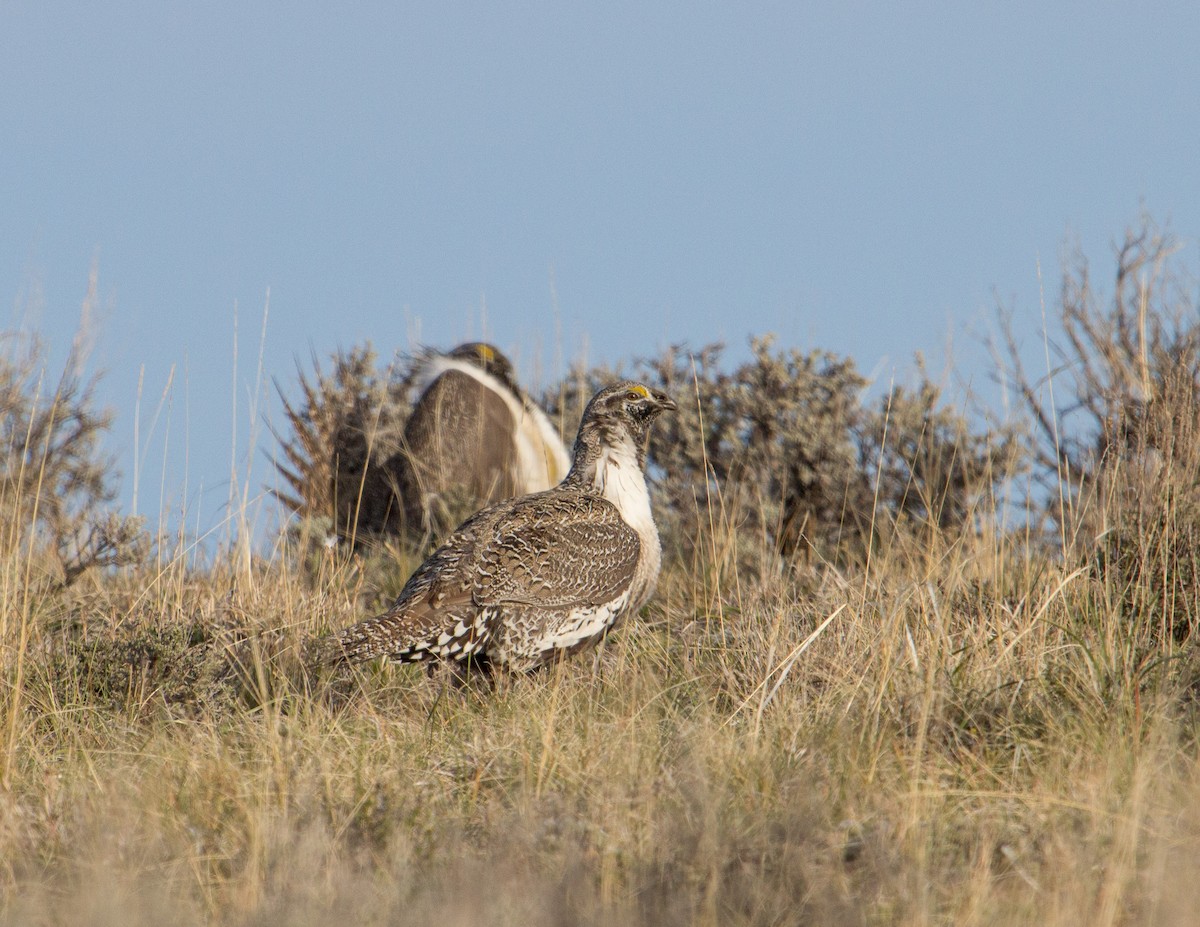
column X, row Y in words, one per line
column 615, row 473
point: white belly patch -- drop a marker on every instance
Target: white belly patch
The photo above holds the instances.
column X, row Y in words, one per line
column 582, row 625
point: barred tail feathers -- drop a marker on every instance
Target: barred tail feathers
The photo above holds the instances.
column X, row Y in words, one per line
column 382, row 636
column 404, row 640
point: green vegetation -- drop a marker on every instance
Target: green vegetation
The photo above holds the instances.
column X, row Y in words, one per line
column 872, row 688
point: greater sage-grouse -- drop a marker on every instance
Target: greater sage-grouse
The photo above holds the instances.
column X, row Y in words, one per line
column 529, row 580
column 474, row 437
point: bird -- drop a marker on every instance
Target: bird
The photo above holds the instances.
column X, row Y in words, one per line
column 528, row 581
column 474, row 437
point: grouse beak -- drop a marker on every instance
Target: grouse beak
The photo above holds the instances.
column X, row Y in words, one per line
column 664, row 402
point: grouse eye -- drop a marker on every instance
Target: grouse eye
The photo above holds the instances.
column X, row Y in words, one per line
column 633, row 396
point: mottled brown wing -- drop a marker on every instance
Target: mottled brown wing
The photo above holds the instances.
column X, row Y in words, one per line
column 557, row 552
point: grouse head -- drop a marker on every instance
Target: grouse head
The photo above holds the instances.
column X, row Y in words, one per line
column 620, row 416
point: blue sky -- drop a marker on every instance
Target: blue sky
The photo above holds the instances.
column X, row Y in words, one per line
column 562, row 179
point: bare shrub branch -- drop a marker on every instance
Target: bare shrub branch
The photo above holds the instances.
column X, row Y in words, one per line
column 344, row 427
column 55, row 478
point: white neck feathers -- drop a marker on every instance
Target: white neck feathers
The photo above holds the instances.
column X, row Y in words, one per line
column 620, row 480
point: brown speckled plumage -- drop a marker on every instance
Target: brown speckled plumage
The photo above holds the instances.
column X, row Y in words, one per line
column 528, row 580
column 463, row 441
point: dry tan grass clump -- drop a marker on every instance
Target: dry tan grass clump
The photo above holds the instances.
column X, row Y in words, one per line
column 1117, row 428
column 951, row 724
column 984, row 745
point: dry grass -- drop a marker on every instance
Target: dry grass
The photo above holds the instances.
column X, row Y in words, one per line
column 959, row 727
column 986, row 739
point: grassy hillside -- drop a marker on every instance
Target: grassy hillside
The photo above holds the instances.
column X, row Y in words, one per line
column 929, row 721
